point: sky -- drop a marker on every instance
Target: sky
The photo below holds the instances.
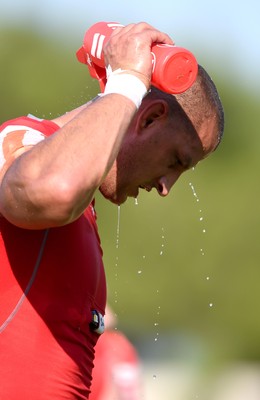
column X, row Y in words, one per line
column 225, row 32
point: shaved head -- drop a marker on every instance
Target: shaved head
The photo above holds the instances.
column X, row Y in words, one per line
column 200, row 105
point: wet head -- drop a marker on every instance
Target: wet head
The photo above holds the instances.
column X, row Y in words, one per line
column 169, row 135
column 202, row 105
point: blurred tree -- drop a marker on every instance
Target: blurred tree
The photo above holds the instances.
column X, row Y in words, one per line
column 40, row 76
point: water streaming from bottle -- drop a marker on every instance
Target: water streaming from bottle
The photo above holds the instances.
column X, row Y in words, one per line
column 162, row 249
column 117, row 250
column 162, row 244
column 201, row 219
column 118, row 228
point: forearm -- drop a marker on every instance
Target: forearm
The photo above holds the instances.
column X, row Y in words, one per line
column 52, row 184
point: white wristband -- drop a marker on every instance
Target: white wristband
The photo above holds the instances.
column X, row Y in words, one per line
column 121, row 82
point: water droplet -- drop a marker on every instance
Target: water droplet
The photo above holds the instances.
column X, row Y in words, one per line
column 139, row 272
column 162, row 245
column 136, row 201
column 211, row 304
column 118, row 228
column 154, row 376
column 207, row 278
column 200, row 211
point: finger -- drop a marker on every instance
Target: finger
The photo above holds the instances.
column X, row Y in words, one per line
column 158, row 36
column 122, row 29
column 142, row 27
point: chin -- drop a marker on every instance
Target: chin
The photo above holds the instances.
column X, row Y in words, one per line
column 112, row 196
column 118, row 200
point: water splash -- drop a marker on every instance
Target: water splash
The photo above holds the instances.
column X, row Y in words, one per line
column 116, row 297
column 201, row 218
column 141, row 267
column 118, row 227
column 156, row 323
column 194, row 192
column 162, row 245
column 117, row 249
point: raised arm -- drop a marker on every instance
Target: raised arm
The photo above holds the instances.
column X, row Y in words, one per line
column 51, row 183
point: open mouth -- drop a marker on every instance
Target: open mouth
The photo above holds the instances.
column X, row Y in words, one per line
column 148, row 188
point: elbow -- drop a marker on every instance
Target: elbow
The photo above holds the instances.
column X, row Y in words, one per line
column 45, row 204
column 65, row 201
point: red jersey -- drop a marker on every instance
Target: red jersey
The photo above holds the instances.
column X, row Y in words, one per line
column 51, row 281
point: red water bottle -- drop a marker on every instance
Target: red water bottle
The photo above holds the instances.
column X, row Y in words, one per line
column 174, row 68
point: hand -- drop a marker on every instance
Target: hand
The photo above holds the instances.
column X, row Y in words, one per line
column 129, row 48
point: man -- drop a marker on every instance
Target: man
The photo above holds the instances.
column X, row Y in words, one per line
column 52, row 287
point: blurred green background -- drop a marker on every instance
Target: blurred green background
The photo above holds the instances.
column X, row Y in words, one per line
column 183, row 272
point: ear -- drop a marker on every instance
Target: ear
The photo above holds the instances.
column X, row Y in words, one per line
column 152, row 112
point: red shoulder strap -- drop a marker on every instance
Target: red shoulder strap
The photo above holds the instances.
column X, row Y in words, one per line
column 42, row 125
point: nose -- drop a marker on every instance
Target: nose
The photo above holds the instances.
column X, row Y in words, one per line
column 165, row 183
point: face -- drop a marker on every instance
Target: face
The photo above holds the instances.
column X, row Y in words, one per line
column 153, row 159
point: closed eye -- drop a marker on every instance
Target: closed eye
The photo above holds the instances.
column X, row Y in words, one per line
column 177, row 163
